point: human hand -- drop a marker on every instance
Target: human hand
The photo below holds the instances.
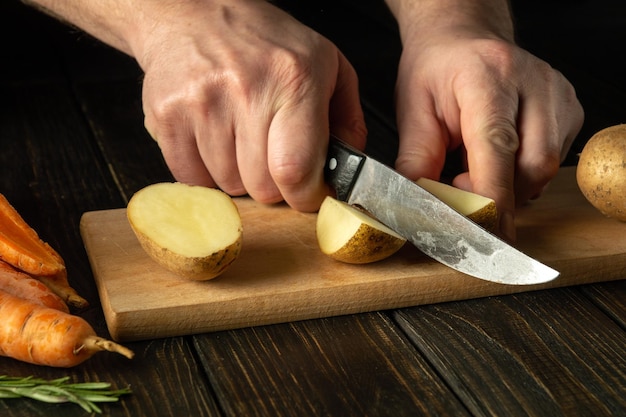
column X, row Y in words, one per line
column 241, row 96
column 513, row 116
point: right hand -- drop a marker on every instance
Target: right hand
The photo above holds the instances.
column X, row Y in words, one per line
column 241, row 96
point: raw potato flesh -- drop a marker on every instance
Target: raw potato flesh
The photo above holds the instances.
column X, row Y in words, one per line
column 347, row 234
column 193, row 231
column 481, row 210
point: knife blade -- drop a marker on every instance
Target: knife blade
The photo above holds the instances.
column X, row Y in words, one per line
column 428, row 223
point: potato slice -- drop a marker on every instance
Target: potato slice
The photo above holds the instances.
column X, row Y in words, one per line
column 481, row 210
column 348, row 234
column 193, row 231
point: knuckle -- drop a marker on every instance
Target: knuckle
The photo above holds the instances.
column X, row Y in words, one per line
column 165, row 117
column 543, row 166
column 293, row 171
column 502, row 56
column 295, row 69
column 197, row 95
column 289, row 172
column 502, row 135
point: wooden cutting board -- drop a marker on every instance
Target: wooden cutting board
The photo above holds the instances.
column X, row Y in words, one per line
column 282, row 276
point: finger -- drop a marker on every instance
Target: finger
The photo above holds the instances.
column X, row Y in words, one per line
column 491, row 142
column 345, row 113
column 423, row 140
column 539, row 155
column 296, row 154
column 198, row 145
column 548, row 123
column 571, row 113
column 215, row 138
column 180, row 152
column 252, row 159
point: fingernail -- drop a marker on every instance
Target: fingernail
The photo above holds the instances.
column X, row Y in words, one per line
column 507, row 226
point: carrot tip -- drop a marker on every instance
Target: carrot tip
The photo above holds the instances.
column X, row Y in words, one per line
column 63, row 290
column 96, row 343
column 76, row 301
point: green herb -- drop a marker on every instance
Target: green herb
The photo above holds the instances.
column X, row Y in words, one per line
column 85, row 394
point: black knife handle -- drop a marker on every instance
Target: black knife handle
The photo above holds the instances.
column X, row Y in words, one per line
column 343, row 164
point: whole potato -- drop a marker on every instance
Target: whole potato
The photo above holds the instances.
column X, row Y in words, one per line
column 601, row 171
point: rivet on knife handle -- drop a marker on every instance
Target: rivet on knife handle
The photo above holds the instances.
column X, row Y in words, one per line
column 342, row 167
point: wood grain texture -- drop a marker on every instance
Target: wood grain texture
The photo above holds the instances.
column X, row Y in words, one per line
column 343, row 366
column 114, row 113
column 610, row 297
column 164, row 377
column 282, row 276
column 566, row 356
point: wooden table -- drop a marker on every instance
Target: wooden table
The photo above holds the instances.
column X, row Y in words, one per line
column 71, row 130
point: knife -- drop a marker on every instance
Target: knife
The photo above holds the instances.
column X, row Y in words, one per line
column 431, row 225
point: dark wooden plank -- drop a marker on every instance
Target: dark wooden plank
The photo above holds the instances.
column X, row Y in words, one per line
column 52, row 172
column 163, row 377
column 114, row 113
column 610, row 297
column 540, row 353
column 342, row 366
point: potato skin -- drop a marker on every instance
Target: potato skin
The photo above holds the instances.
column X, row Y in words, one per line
column 368, row 245
column 198, row 268
column 487, row 217
column 601, row 171
column 351, row 235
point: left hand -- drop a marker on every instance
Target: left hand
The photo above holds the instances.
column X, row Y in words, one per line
column 513, row 115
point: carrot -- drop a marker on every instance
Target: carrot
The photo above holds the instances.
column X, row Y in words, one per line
column 21, row 247
column 45, row 336
column 60, row 286
column 24, row 286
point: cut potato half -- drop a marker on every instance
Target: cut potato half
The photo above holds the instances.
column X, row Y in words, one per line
column 348, row 234
column 481, row 210
column 193, row 231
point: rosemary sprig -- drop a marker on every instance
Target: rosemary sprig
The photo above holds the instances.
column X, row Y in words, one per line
column 85, row 394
